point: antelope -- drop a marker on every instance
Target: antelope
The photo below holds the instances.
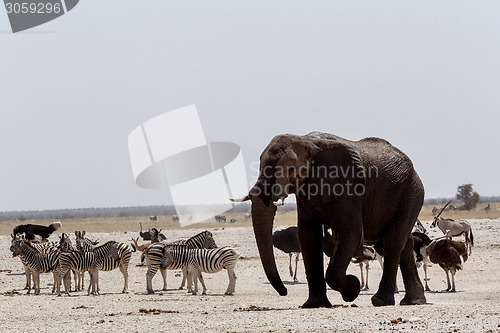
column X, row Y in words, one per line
column 452, row 228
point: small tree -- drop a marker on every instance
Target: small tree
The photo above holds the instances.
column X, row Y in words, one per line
column 469, row 197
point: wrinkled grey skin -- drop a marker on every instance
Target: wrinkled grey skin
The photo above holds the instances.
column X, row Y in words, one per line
column 384, row 212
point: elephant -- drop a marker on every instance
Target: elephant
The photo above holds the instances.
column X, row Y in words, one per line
column 366, row 190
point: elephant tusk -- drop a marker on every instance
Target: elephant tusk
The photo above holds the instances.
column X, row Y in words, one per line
column 280, row 202
column 245, row 198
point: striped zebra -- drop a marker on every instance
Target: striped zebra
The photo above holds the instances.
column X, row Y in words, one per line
column 87, row 261
column 41, row 247
column 84, row 244
column 203, row 260
column 154, row 254
column 37, row 262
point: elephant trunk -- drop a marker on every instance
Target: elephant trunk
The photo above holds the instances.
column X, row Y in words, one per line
column 262, row 220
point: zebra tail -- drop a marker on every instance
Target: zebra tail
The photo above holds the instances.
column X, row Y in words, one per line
column 471, row 237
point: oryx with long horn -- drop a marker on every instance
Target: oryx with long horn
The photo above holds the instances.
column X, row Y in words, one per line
column 452, row 228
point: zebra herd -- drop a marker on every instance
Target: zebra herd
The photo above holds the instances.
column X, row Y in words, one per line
column 193, row 256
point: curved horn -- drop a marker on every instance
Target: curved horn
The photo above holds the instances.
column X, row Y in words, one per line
column 443, row 208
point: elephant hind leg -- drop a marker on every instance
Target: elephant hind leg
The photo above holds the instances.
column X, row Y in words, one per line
column 398, row 245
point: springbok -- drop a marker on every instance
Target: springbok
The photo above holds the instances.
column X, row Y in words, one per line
column 452, row 228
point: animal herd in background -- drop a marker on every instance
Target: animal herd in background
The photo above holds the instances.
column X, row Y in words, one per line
column 193, row 256
column 200, row 254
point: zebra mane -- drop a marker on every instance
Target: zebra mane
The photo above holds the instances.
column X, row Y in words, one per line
column 105, row 245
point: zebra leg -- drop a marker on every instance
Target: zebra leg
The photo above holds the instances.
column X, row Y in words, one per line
column 91, row 283
column 83, row 281
column 96, row 282
column 193, row 279
column 30, row 276
column 76, row 280
column 164, row 277
column 232, row 281
column 67, row 281
column 202, row 283
column 189, row 278
column 55, row 275
column 36, row 281
column 184, row 277
column 149, row 278
column 27, row 271
column 124, row 271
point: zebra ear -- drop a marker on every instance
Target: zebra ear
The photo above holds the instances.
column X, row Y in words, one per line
column 83, row 233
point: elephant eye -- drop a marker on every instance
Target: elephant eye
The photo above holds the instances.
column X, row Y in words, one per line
column 291, row 170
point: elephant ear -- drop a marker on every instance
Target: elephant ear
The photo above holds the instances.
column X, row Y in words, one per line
column 337, row 171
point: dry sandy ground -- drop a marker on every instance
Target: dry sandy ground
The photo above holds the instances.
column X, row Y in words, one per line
column 255, row 307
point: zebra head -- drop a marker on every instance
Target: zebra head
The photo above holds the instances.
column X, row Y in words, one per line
column 84, row 244
column 65, row 244
column 113, row 251
column 16, row 246
column 209, row 242
column 16, row 242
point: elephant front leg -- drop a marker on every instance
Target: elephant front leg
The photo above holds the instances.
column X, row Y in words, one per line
column 349, row 242
column 310, row 234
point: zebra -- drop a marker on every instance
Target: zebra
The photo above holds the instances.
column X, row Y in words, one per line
column 154, row 254
column 203, row 260
column 84, row 244
column 65, row 245
column 87, row 261
column 37, row 262
column 41, row 247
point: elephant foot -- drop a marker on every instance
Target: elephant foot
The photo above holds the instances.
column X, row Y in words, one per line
column 379, row 300
column 313, row 302
column 348, row 286
column 150, row 292
column 351, row 288
column 413, row 301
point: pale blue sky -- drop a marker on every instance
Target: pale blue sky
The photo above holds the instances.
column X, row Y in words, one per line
column 423, row 75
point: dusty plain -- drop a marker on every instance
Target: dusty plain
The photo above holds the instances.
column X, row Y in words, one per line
column 255, row 307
